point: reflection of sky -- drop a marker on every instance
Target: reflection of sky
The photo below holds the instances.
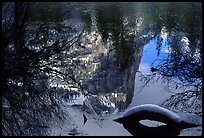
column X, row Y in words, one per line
column 155, row 91
column 150, row 54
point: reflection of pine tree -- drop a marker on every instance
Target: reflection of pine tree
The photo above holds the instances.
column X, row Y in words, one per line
column 182, row 67
column 189, row 101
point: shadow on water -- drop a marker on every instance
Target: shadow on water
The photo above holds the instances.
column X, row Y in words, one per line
column 142, row 130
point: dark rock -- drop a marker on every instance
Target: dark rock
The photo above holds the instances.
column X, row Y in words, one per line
column 173, row 123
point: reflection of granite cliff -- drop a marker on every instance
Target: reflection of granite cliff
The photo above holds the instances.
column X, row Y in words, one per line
column 98, row 71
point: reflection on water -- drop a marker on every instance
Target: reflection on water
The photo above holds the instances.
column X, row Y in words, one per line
column 147, row 26
column 135, row 21
column 116, row 47
column 112, row 59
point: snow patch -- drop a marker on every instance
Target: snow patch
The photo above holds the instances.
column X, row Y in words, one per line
column 154, row 109
column 78, row 101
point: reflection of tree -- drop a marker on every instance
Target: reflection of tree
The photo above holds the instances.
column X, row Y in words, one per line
column 30, row 51
column 183, row 64
column 184, row 67
column 123, row 44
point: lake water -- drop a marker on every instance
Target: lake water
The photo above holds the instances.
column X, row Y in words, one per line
column 128, row 54
column 107, row 18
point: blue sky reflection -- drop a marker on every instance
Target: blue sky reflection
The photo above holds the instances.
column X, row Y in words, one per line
column 150, row 54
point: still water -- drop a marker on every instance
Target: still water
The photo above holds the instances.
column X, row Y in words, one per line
column 151, row 27
column 95, row 61
column 118, row 55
